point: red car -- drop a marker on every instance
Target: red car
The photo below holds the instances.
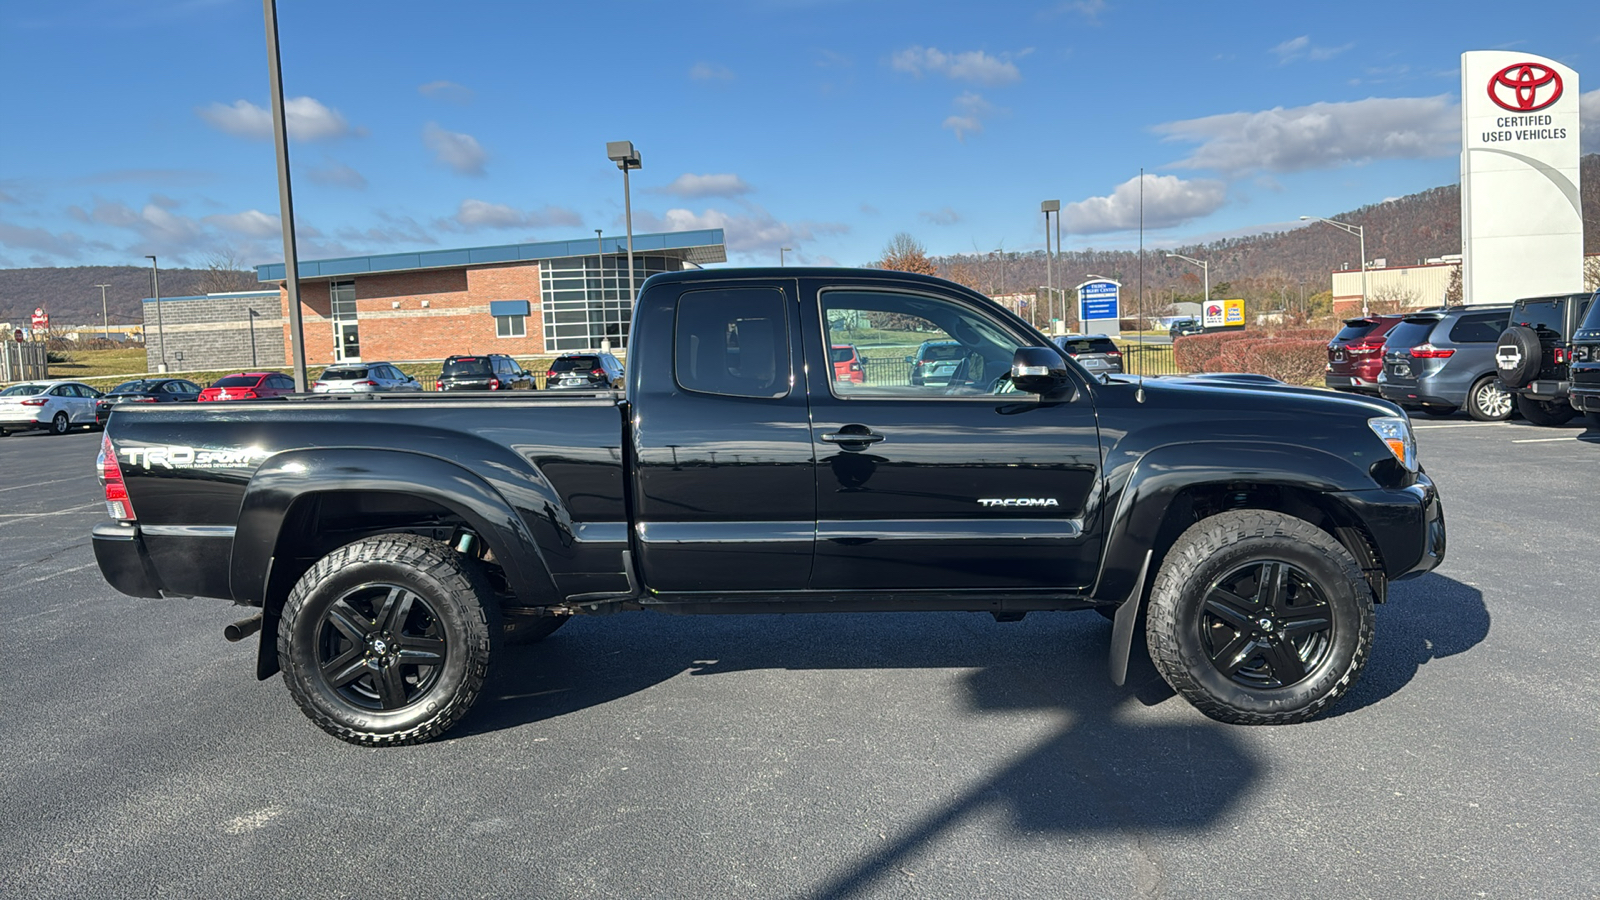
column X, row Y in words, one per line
column 847, row 364
column 249, row 386
column 1355, row 355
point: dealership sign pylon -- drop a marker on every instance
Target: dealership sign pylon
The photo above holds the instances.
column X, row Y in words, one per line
column 1521, row 213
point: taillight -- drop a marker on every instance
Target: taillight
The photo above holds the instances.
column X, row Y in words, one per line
column 118, row 506
column 1429, row 351
column 494, row 384
column 1561, row 355
column 316, row 384
column 368, row 383
column 1116, row 353
column 550, row 374
column 438, row 385
column 37, row 401
column 245, row 395
column 598, row 373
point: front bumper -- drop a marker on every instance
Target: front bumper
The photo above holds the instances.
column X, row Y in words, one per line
column 123, row 560
column 1406, row 525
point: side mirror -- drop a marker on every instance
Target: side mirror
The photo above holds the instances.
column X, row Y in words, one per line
column 1038, row 370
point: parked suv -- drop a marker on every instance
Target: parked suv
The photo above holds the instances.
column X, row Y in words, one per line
column 1535, row 351
column 584, row 372
column 1355, row 355
column 1441, row 361
column 846, row 363
column 363, row 378
column 488, row 372
column 935, row 362
column 1585, row 397
column 1095, row 352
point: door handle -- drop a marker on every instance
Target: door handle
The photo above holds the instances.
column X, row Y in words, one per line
column 853, row 437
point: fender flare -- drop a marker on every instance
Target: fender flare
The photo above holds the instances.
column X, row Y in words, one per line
column 287, row 477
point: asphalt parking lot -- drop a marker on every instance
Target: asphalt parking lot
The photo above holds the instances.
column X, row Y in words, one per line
column 915, row 755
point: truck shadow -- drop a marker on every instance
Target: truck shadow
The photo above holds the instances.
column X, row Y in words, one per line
column 1108, row 763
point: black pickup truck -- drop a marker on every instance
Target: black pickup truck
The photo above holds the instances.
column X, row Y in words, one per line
column 391, row 544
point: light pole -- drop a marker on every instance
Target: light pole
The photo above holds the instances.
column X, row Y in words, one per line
column 626, row 157
column 1047, row 207
column 161, row 333
column 781, row 252
column 1205, row 269
column 253, row 315
column 1361, row 234
column 105, row 318
column 280, row 140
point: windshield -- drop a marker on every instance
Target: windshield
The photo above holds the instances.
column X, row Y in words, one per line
column 238, row 381
column 24, row 390
column 468, row 365
column 128, row 387
column 1410, row 333
column 1075, row 346
column 572, row 363
column 1592, row 320
column 942, row 351
column 842, row 354
column 343, row 373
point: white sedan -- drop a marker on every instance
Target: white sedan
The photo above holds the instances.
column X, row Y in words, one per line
column 53, row 406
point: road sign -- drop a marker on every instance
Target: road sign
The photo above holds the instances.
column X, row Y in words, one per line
column 1098, row 300
column 40, row 318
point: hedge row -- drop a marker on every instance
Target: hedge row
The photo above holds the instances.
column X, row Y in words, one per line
column 1297, row 356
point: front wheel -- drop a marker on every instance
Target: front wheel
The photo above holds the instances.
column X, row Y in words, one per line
column 1487, row 401
column 1259, row 618
column 388, row 640
column 1548, row 413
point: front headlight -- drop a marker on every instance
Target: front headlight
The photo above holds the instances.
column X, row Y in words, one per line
column 1396, row 434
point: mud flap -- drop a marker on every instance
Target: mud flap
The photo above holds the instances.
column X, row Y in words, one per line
column 1122, row 625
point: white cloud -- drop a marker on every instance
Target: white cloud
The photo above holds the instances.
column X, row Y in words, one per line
column 308, row 120
column 336, row 174
column 446, row 90
column 478, row 214
column 757, row 234
column 250, row 223
column 1168, row 201
column 396, row 229
column 1302, row 48
column 1321, row 136
column 942, row 216
column 704, row 71
column 66, row 245
column 969, row 65
column 461, row 152
column 688, row 185
column 971, row 111
column 1589, row 121
column 1089, row 9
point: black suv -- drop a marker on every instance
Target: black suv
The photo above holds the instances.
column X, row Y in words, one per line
column 584, row 372
column 1184, row 327
column 488, row 372
column 1585, row 365
column 1534, row 354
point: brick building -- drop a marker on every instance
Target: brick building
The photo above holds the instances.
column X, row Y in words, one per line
column 214, row 331
column 521, row 299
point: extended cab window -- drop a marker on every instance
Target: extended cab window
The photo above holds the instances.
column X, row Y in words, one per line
column 733, row 342
column 917, row 346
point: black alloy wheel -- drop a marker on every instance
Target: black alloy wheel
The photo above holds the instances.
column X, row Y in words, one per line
column 1266, row 624
column 1259, row 618
column 388, row 640
column 60, row 424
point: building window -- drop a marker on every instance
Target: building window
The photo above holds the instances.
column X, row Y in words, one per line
column 511, row 326
column 586, row 302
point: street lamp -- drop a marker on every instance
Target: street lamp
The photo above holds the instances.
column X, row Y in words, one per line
column 253, row 315
column 1361, row 233
column 1047, row 207
column 781, row 252
column 1205, row 269
column 626, row 157
column 105, row 318
column 161, row 333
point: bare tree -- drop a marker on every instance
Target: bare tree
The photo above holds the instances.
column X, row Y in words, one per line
column 225, row 272
column 1454, row 293
column 1591, row 272
column 1387, row 300
column 905, row 253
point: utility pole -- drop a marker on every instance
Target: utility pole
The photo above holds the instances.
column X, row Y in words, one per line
column 105, row 318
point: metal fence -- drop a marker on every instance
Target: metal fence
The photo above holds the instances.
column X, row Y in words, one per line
column 886, row 370
column 23, row 361
column 1149, row 359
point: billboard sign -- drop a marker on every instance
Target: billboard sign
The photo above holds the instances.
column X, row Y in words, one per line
column 1211, row 314
column 1232, row 313
column 1098, row 300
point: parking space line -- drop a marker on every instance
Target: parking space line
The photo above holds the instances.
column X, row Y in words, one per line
column 1543, row 440
column 1461, row 425
column 37, row 484
column 57, row 574
column 14, row 518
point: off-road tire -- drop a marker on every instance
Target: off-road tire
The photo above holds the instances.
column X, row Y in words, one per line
column 1484, row 393
column 1546, row 413
column 451, row 616
column 1217, row 549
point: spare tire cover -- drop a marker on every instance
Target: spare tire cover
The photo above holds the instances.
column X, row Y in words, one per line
column 1517, row 356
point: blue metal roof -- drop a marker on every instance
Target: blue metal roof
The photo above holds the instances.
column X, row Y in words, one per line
column 696, row 246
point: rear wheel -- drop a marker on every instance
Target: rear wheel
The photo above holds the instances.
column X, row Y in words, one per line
column 1487, row 401
column 1548, row 413
column 388, row 640
column 60, row 424
column 1259, row 618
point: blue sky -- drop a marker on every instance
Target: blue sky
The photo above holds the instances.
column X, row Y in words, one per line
column 140, row 126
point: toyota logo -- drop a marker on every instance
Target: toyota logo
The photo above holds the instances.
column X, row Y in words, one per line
column 1525, row 87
